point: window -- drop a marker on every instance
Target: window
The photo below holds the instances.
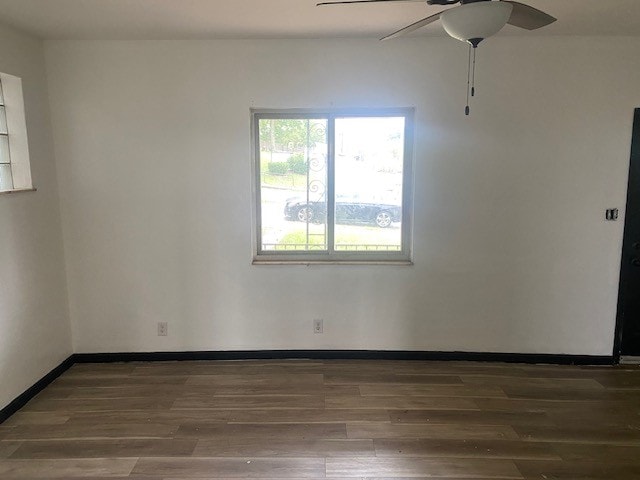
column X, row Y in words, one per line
column 332, row 185
column 15, row 172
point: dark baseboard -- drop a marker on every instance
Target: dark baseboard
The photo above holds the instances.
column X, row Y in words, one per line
column 530, row 358
column 36, row 388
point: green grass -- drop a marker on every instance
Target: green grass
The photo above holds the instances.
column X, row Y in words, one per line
column 292, row 181
column 300, row 237
column 351, row 238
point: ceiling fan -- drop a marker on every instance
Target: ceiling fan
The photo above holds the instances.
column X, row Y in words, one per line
column 472, row 22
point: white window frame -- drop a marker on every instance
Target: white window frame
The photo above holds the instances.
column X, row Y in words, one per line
column 402, row 257
column 16, row 134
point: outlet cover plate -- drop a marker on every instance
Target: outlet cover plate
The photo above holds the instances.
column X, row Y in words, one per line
column 163, row 329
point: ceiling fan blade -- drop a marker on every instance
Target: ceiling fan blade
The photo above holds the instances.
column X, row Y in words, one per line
column 527, row 17
column 413, row 26
column 363, row 1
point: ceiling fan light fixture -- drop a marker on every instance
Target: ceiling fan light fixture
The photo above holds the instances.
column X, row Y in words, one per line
column 474, row 22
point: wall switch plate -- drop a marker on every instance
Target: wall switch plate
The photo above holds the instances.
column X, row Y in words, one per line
column 611, row 214
column 163, row 329
column 318, row 325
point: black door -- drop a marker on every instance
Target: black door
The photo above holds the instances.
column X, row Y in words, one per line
column 628, row 339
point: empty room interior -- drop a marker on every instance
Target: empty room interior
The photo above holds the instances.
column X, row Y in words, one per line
column 277, row 239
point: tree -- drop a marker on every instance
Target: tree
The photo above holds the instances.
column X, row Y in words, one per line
column 291, row 134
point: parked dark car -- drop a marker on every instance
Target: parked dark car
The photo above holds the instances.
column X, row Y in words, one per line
column 351, row 209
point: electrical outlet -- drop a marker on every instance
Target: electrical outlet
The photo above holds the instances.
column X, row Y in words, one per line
column 163, row 329
column 318, row 325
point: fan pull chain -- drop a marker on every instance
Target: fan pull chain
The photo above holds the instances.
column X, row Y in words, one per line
column 471, row 75
column 466, row 109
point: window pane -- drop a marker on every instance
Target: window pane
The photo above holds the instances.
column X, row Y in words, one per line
column 4, row 149
column 293, row 184
column 3, row 120
column 1, row 95
column 6, row 183
column 368, row 184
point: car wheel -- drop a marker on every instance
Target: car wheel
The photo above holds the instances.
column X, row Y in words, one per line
column 305, row 214
column 383, row 219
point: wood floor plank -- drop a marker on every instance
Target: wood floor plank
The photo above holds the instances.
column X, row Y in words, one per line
column 318, row 415
column 432, row 390
column 53, row 393
column 263, row 430
column 596, row 415
column 400, row 402
column 619, row 376
column 66, row 468
column 585, row 434
column 279, row 447
column 562, row 470
column 619, row 380
column 421, row 467
column 470, row 417
column 102, row 368
column 465, row 448
column 519, row 477
column 528, row 405
column 598, row 452
column 111, row 430
column 139, row 391
column 118, row 381
column 99, row 404
column 401, row 367
column 463, row 432
column 571, row 394
column 174, row 391
column 159, row 417
column 256, row 379
column 196, row 368
column 37, row 418
column 245, row 402
column 291, row 390
column 100, row 477
column 530, row 382
column 118, row 448
column 265, row 362
column 279, row 467
column 391, row 379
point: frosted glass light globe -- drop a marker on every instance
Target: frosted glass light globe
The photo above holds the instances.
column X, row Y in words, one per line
column 476, row 20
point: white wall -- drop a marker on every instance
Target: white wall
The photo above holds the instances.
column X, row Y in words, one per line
column 35, row 331
column 511, row 249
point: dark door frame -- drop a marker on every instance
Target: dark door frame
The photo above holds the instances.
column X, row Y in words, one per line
column 635, row 151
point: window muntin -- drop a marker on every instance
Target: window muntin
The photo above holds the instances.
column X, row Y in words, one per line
column 332, row 186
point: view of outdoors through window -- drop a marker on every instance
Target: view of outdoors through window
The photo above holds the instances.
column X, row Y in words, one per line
column 295, row 161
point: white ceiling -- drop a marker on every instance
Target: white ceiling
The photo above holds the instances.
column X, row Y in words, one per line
column 186, row 19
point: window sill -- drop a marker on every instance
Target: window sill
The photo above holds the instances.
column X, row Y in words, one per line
column 18, row 190
column 333, row 262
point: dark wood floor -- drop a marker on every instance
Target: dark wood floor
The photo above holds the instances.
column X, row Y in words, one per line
column 328, row 419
